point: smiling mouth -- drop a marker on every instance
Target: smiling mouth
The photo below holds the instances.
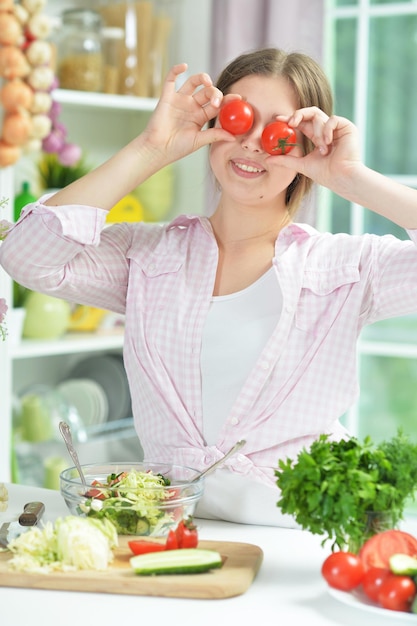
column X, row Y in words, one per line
column 248, row 168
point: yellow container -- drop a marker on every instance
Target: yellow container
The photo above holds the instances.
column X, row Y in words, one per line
column 128, row 209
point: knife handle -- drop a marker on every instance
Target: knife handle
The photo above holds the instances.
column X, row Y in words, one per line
column 32, row 512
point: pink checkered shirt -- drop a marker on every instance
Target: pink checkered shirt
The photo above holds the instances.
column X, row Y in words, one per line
column 161, row 278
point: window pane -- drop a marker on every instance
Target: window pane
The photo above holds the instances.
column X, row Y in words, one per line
column 374, row 223
column 346, row 3
column 340, row 214
column 391, row 1
column 344, row 66
column 387, row 400
column 391, row 134
column 399, row 330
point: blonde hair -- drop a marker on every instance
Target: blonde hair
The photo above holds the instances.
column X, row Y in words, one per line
column 311, row 88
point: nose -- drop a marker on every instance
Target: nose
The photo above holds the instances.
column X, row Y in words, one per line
column 251, row 140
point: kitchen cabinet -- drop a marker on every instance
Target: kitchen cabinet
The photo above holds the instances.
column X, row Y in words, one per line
column 100, row 123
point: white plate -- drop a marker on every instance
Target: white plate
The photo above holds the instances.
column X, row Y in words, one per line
column 108, row 371
column 358, row 600
column 88, row 397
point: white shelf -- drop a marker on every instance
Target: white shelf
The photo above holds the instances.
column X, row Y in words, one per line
column 88, row 99
column 70, row 343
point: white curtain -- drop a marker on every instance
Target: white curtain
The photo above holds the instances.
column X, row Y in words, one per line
column 242, row 25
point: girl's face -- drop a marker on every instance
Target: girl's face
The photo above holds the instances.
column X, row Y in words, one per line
column 245, row 173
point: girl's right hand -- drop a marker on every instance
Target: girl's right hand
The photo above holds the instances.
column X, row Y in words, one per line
column 176, row 128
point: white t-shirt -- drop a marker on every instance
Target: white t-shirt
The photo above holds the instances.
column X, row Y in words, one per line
column 237, row 328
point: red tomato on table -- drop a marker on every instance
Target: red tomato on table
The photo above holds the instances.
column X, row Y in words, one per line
column 372, row 581
column 236, row 116
column 278, row 138
column 172, row 541
column 142, row 546
column 343, row 570
column 397, row 592
column 376, row 551
column 187, row 534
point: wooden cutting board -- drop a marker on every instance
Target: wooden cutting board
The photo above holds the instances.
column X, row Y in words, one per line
column 241, row 562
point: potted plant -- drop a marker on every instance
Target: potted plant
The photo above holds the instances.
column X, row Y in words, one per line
column 54, row 175
column 346, row 490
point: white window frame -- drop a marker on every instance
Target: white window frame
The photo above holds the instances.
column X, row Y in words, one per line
column 363, row 11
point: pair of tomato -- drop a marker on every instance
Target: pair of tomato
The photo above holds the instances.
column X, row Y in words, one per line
column 391, row 591
column 370, row 571
column 236, row 116
column 184, row 536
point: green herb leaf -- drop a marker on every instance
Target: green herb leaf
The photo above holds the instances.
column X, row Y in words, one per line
column 331, row 488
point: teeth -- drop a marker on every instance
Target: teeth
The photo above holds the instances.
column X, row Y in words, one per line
column 247, row 168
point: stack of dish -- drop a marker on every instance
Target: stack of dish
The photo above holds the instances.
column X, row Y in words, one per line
column 107, row 373
column 89, row 399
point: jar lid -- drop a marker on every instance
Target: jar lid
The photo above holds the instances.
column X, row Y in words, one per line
column 83, row 17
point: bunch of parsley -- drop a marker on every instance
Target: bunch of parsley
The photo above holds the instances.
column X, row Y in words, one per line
column 331, row 488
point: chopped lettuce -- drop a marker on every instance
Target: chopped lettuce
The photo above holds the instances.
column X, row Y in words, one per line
column 73, row 543
column 132, row 502
column 4, row 497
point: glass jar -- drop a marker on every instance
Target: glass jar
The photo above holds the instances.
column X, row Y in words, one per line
column 79, row 49
column 112, row 58
column 148, row 48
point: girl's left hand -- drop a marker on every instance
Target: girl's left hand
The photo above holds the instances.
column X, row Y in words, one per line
column 336, row 153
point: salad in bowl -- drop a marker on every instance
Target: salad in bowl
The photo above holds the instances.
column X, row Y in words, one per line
column 138, row 498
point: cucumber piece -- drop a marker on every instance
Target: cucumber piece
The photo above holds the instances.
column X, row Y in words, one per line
column 181, row 561
column 142, row 526
column 403, row 564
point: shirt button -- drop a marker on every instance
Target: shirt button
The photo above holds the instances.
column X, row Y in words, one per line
column 152, row 267
column 265, row 365
column 234, row 421
column 289, row 309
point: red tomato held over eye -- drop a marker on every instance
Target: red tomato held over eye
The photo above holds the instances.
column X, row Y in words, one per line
column 278, row 138
column 343, row 570
column 187, row 534
column 376, row 551
column 236, row 116
column 397, row 593
column 142, row 546
column 372, row 581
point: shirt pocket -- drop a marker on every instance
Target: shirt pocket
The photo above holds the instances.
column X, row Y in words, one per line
column 157, row 283
column 323, row 295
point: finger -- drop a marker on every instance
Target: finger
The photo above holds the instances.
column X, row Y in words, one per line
column 169, row 85
column 195, row 82
column 331, row 125
column 174, row 72
column 312, row 122
column 215, row 134
column 208, row 95
column 307, row 114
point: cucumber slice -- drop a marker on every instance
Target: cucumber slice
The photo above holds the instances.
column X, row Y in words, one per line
column 181, row 561
column 142, row 526
column 403, row 564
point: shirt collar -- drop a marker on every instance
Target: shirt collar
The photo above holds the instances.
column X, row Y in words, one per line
column 184, row 221
column 294, row 231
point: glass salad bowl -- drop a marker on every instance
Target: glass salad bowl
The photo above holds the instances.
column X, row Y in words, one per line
column 139, row 498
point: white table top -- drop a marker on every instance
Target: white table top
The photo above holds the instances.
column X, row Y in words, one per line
column 288, row 589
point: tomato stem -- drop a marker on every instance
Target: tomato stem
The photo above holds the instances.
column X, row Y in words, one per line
column 282, row 144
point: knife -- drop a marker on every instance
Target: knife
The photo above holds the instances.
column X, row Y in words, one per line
column 32, row 513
